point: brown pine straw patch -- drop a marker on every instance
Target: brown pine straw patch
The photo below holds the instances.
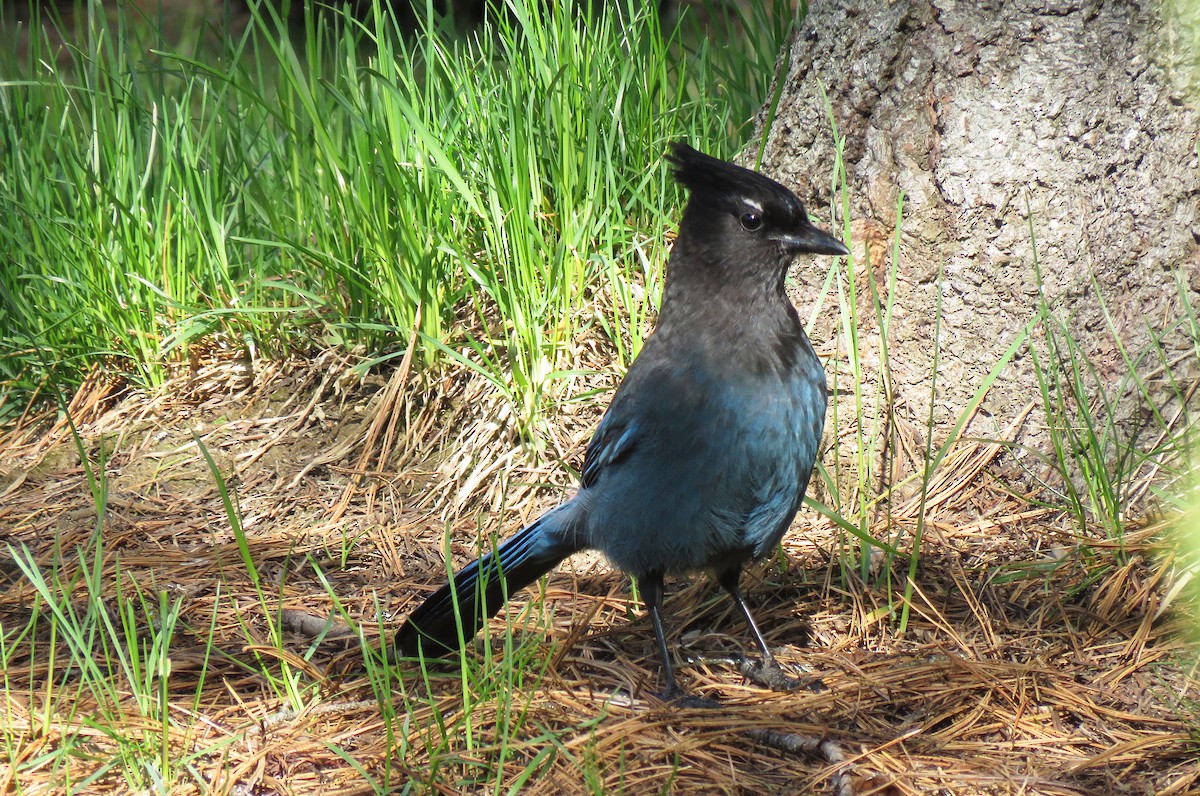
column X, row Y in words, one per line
column 1035, row 662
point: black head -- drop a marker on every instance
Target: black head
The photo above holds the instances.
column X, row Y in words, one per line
column 744, row 211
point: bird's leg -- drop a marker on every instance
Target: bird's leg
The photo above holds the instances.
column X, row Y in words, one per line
column 729, row 582
column 652, row 594
column 767, row 672
column 651, row 586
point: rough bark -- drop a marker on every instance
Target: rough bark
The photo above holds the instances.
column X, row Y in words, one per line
column 1067, row 117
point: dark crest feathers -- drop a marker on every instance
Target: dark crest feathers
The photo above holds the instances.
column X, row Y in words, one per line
column 712, row 179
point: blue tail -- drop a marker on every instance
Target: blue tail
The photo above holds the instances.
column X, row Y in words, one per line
column 482, row 587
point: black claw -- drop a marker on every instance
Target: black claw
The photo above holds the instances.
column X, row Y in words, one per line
column 682, row 699
column 769, row 674
column 765, row 672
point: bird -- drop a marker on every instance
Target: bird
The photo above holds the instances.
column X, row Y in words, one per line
column 702, row 459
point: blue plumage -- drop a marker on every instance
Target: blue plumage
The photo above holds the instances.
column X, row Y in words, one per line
column 704, row 454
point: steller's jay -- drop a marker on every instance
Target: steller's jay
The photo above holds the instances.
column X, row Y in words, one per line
column 702, row 459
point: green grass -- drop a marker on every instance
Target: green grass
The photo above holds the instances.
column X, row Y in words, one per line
column 356, row 187
column 341, row 184
column 103, row 643
column 1103, row 470
column 351, row 188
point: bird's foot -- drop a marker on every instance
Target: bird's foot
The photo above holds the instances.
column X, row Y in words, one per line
column 682, row 699
column 765, row 672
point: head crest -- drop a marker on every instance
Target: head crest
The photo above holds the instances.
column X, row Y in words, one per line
column 710, row 178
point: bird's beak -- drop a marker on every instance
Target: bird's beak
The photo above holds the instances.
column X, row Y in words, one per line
column 811, row 240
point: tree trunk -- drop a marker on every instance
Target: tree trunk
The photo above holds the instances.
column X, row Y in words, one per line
column 1051, row 133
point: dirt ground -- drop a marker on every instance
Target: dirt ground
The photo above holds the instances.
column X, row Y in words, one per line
column 1034, row 662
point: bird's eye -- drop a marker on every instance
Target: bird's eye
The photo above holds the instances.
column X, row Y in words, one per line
column 751, row 222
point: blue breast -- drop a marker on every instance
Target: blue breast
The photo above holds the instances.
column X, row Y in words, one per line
column 714, row 462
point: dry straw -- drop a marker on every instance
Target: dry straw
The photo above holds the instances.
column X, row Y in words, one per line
column 1071, row 678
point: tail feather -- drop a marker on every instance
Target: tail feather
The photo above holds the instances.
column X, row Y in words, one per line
column 481, row 588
